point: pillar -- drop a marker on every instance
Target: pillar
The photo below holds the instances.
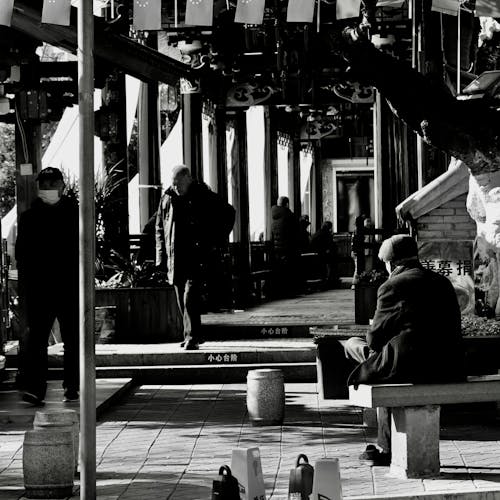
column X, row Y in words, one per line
column 115, row 164
column 220, row 127
column 270, row 167
column 294, row 182
column 28, row 140
column 192, row 140
column 148, row 145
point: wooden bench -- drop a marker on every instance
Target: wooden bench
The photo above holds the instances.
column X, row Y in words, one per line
column 415, row 411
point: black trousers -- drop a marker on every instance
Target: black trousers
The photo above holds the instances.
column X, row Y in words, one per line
column 356, row 349
column 188, row 292
column 43, row 306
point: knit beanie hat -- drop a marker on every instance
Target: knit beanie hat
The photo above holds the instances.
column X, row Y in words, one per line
column 397, row 248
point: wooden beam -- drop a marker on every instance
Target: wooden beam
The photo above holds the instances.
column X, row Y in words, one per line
column 133, row 58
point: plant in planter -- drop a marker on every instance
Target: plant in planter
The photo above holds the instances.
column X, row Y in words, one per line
column 374, row 278
column 479, row 326
column 145, row 304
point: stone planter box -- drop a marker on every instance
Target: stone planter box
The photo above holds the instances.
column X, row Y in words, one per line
column 482, row 354
column 143, row 315
column 365, row 303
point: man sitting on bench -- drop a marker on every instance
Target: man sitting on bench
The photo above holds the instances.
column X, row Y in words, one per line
column 415, row 336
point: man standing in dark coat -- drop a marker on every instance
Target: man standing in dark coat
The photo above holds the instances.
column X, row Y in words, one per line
column 47, row 260
column 285, row 240
column 415, row 336
column 192, row 224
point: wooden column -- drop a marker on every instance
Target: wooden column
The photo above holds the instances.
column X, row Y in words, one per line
column 28, row 140
column 244, row 215
column 192, row 141
column 270, row 167
column 220, row 127
column 116, row 164
column 242, row 210
column 294, row 182
column 148, row 145
column 316, row 190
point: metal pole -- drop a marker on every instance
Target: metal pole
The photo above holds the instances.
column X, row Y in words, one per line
column 87, row 242
column 459, row 48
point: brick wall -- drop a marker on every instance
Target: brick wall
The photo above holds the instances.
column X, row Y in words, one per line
column 450, row 221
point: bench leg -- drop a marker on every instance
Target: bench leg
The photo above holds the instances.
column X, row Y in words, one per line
column 415, row 441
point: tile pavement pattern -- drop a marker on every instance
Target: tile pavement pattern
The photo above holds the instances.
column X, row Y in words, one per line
column 167, row 442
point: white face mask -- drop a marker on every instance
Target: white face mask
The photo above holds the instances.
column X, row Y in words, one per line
column 49, row 196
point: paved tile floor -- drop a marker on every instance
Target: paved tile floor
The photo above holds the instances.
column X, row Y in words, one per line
column 167, row 442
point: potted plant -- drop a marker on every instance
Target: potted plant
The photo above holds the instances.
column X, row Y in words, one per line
column 145, row 304
column 135, row 297
column 365, row 295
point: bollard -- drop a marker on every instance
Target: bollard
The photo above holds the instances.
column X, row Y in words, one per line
column 265, row 397
column 48, row 463
column 64, row 420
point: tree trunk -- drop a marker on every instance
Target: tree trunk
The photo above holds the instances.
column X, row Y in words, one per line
column 469, row 130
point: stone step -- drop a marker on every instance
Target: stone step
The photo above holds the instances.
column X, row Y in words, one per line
column 14, row 412
column 198, row 374
column 232, row 352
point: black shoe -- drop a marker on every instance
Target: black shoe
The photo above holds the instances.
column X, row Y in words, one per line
column 372, row 456
column 199, row 342
column 33, row 399
column 191, row 345
column 71, row 395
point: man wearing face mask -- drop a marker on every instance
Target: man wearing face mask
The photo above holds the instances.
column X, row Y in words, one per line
column 192, row 225
column 415, row 336
column 47, row 260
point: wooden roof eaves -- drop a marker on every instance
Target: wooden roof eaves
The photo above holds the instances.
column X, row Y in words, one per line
column 135, row 59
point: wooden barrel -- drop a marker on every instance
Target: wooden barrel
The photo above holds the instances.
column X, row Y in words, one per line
column 48, row 463
column 64, row 420
column 265, row 397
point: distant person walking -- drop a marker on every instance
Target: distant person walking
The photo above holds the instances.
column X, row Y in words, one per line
column 322, row 242
column 192, row 224
column 285, row 240
column 47, row 260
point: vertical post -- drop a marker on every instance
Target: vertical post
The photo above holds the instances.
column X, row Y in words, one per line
column 297, row 201
column 459, row 48
column 377, row 158
column 270, row 167
column 317, row 189
column 244, row 215
column 28, row 152
column 416, row 46
column 220, row 127
column 149, row 145
column 87, row 242
column 115, row 154
column 192, row 146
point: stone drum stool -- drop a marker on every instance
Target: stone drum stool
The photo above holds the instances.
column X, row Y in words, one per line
column 48, row 463
column 265, row 397
column 64, row 420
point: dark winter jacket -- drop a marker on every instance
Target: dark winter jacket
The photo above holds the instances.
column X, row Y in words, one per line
column 190, row 230
column 284, row 231
column 416, row 331
column 47, row 245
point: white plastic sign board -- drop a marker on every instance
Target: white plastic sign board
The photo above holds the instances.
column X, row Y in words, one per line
column 247, row 468
column 326, row 482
